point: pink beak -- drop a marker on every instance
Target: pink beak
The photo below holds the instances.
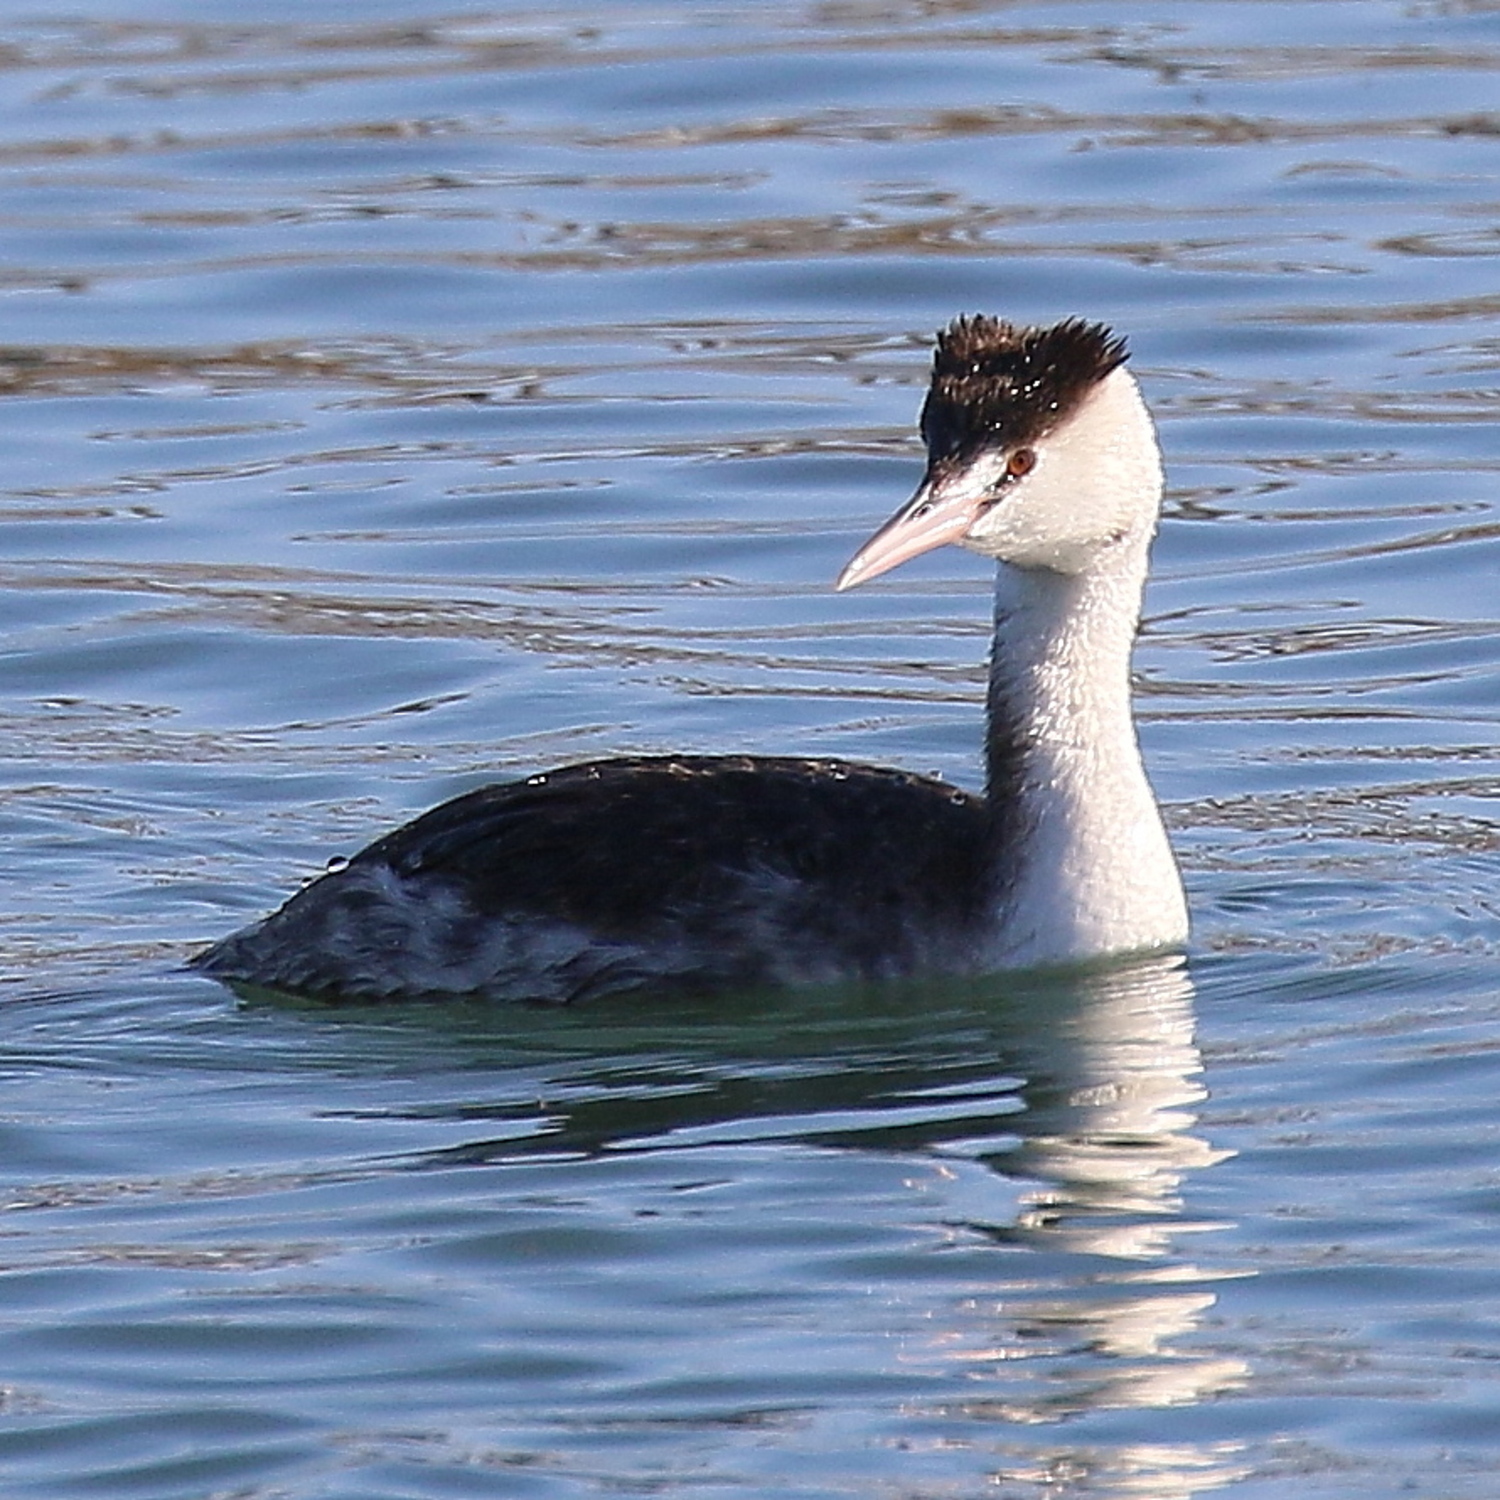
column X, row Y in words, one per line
column 942, row 511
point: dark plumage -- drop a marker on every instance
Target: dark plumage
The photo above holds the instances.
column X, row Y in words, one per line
column 994, row 383
column 613, row 844
column 687, row 871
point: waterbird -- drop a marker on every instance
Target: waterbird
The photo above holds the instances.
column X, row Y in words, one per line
column 718, row 872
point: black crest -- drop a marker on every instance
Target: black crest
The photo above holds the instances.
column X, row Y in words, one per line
column 993, row 382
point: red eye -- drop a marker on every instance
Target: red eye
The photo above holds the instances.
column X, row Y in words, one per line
column 1020, row 463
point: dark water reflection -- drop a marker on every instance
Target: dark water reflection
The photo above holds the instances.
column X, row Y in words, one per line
column 1076, row 1097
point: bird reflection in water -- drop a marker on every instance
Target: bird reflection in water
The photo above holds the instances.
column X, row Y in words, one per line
column 1044, row 1129
column 1102, row 1307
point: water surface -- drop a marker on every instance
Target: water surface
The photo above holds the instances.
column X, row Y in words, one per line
column 400, row 397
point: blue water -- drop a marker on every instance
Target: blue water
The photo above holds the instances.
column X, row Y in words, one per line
column 398, row 396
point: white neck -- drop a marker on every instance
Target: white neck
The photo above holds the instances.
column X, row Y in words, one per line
column 1083, row 866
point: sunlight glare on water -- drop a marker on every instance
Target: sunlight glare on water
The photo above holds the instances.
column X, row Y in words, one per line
column 400, row 398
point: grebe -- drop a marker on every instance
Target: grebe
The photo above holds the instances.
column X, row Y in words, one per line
column 709, row 871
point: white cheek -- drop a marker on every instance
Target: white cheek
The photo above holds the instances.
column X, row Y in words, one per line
column 1029, row 525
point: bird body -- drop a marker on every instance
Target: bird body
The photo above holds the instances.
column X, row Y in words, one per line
column 682, row 871
column 707, row 872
